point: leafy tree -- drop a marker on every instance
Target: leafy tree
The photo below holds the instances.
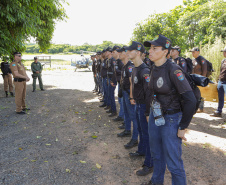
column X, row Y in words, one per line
column 21, row 19
column 195, row 22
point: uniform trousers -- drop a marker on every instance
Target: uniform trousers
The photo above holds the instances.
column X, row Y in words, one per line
column 100, row 80
column 142, row 126
column 120, row 100
column 8, row 83
column 111, row 97
column 105, row 86
column 96, row 83
column 39, row 76
column 166, row 149
column 20, row 93
column 130, row 114
column 221, row 88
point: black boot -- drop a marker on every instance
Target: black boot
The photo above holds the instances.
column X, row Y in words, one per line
column 6, row 94
column 11, row 93
column 131, row 144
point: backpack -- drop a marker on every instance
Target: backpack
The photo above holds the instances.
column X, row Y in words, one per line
column 193, row 85
column 209, row 68
column 189, row 65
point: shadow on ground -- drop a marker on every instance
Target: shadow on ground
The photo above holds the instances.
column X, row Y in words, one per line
column 62, row 138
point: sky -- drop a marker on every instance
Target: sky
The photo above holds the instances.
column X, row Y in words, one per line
column 94, row 21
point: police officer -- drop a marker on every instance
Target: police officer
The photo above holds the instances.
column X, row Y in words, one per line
column 221, row 87
column 199, row 67
column 104, row 79
column 117, row 76
column 20, row 79
column 93, row 58
column 167, row 84
column 129, row 109
column 175, row 54
column 36, row 68
column 138, row 85
column 7, row 76
column 146, row 60
column 111, row 83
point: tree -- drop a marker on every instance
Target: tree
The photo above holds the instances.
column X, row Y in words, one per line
column 22, row 19
column 197, row 21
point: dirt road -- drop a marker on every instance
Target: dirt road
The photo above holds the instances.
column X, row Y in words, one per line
column 67, row 139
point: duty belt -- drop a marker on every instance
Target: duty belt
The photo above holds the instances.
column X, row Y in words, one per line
column 19, row 79
column 174, row 111
column 110, row 73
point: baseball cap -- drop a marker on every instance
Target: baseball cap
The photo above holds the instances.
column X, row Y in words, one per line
column 223, row 49
column 16, row 53
column 35, row 58
column 136, row 46
column 115, row 48
column 159, row 40
column 103, row 51
column 109, row 49
column 194, row 49
column 176, row 48
column 99, row 53
column 92, row 55
column 121, row 49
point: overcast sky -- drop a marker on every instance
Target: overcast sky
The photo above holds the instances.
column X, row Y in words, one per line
column 93, row 21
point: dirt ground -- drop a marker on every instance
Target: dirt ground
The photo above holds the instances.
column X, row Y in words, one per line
column 67, row 139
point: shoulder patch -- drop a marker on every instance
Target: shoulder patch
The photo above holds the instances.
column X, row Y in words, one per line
column 179, row 75
column 130, row 69
column 203, row 61
column 147, row 78
column 13, row 64
column 183, row 64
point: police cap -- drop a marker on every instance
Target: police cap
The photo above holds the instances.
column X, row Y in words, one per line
column 159, row 40
column 115, row 48
column 223, row 49
column 136, row 46
column 177, row 48
column 121, row 49
column 109, row 49
column 194, row 49
column 16, row 53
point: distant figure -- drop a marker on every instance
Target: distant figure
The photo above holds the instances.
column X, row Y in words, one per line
column 199, row 67
column 7, row 76
column 175, row 54
column 221, row 87
column 36, row 68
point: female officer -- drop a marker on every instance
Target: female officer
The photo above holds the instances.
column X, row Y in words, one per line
column 168, row 85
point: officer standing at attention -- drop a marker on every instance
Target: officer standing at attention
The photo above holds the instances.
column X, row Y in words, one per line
column 175, row 54
column 117, row 75
column 104, row 78
column 167, row 121
column 94, row 73
column 111, row 83
column 100, row 92
column 36, row 68
column 138, row 85
column 221, row 87
column 20, row 79
column 199, row 67
column 129, row 109
column 7, row 76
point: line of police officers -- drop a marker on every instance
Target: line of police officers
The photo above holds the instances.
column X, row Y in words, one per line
column 140, row 80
